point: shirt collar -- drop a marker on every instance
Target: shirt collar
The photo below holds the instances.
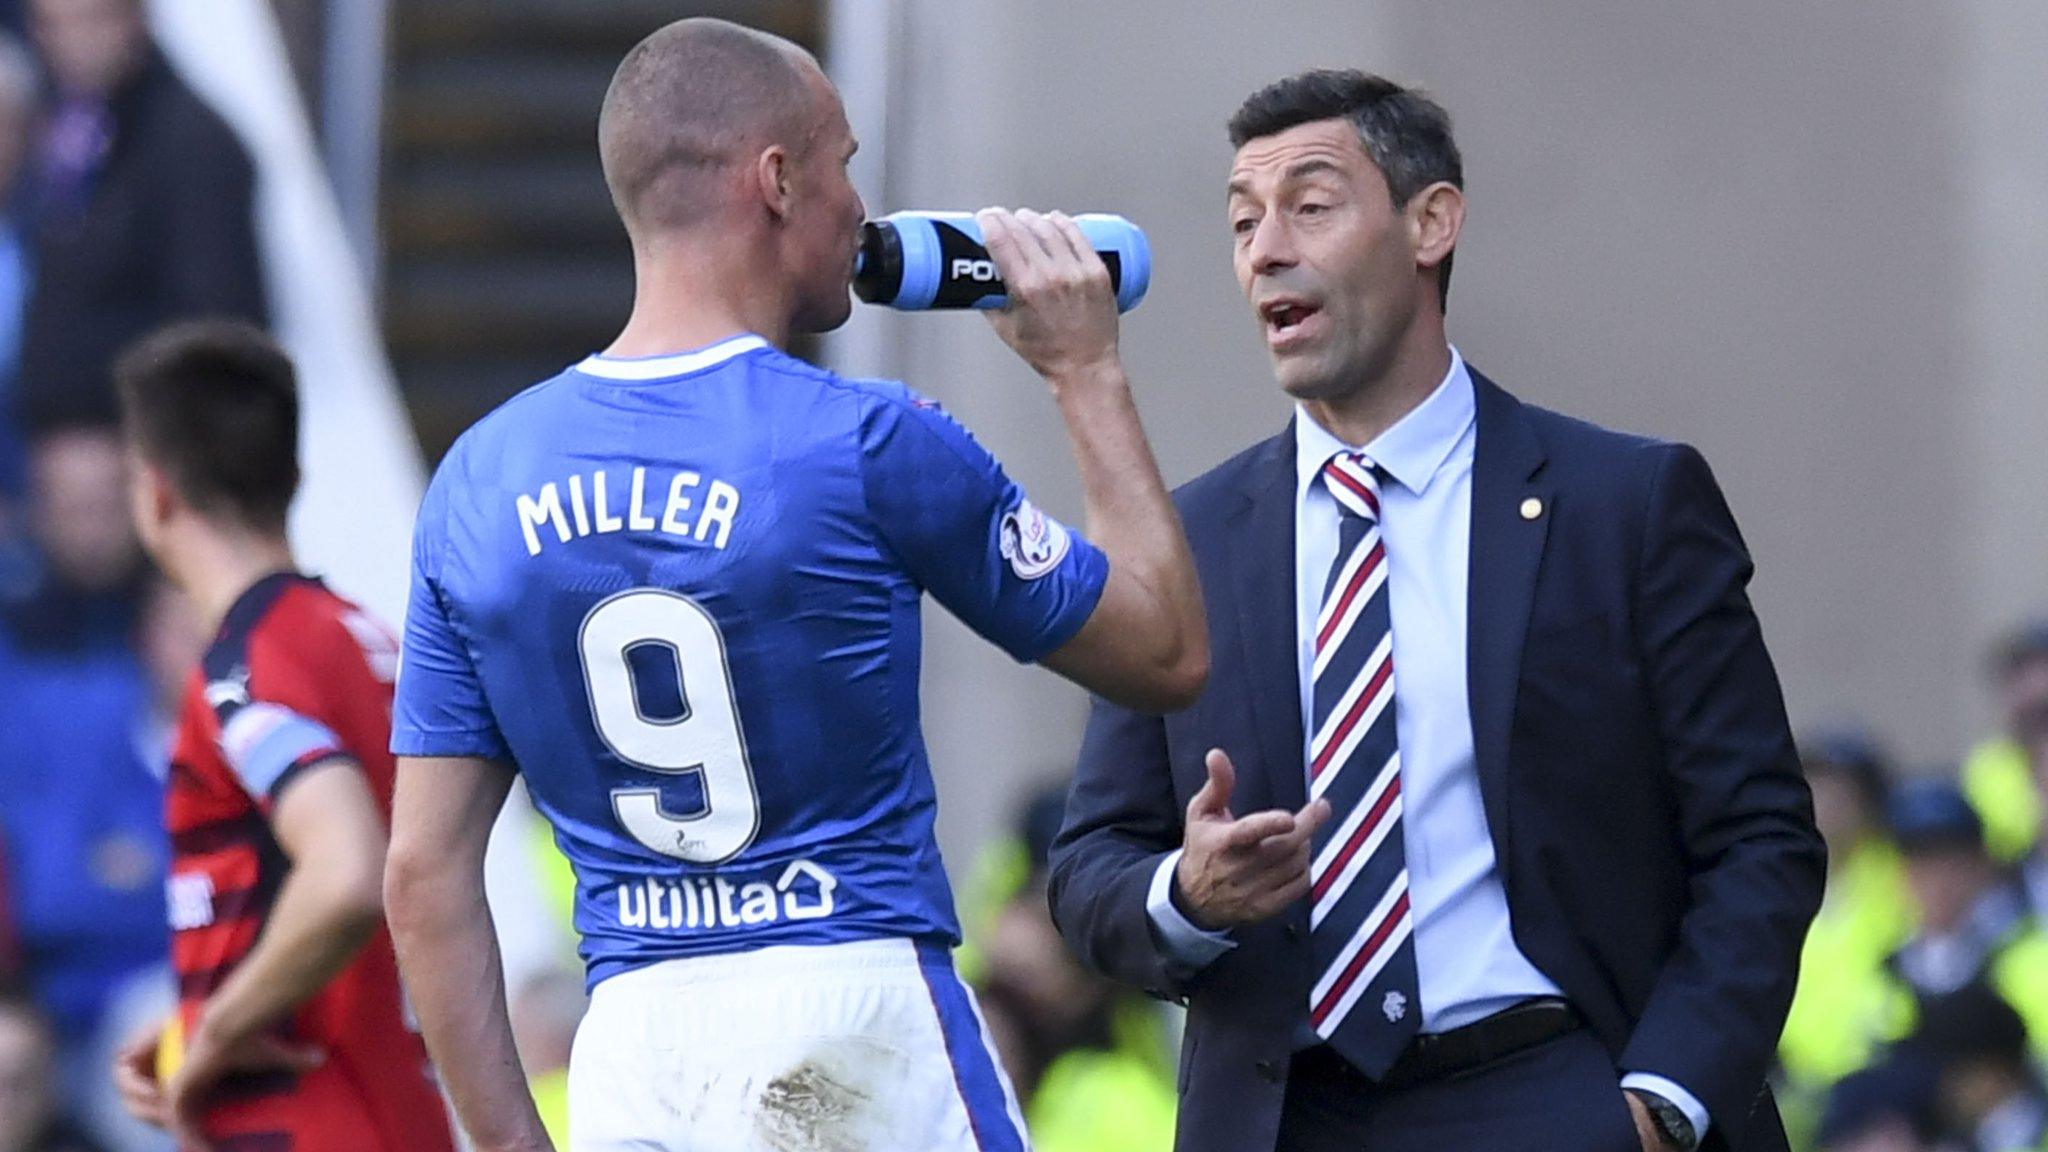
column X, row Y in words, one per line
column 672, row 364
column 1412, row 451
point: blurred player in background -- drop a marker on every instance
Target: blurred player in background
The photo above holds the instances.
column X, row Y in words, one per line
column 31, row 1107
column 290, row 1033
column 677, row 588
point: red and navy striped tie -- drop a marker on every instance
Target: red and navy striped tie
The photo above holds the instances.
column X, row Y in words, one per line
column 1364, row 1001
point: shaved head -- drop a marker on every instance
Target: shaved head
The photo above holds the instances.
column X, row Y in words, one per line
column 692, row 101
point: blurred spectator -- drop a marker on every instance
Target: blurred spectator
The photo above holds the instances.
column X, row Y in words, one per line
column 141, row 208
column 82, row 756
column 30, row 1110
column 170, row 644
column 546, row 998
column 2031, row 876
column 1888, row 1107
column 545, row 1011
column 1973, row 927
column 1969, row 926
column 1964, row 911
column 1002, row 868
column 18, row 84
column 2008, row 779
column 77, row 577
column 1990, row 1099
column 1091, row 1063
column 82, row 825
column 1865, row 916
column 2007, row 776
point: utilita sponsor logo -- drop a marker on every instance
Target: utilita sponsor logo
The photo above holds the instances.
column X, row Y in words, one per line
column 802, row 892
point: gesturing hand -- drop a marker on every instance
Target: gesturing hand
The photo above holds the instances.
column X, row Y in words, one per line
column 1061, row 317
column 1241, row 870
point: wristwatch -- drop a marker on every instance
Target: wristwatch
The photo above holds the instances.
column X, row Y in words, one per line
column 1671, row 1121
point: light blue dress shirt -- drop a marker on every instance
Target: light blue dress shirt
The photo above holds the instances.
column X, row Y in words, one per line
column 1469, row 964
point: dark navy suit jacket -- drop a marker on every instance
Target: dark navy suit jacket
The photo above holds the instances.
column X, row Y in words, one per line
column 1654, row 833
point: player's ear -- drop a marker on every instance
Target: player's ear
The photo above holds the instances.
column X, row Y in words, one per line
column 772, row 175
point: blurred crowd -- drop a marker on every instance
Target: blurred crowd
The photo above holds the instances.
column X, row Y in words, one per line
column 1092, row 1062
column 1921, row 1019
column 125, row 202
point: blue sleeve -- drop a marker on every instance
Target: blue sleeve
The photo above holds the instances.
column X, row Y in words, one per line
column 440, row 708
column 969, row 535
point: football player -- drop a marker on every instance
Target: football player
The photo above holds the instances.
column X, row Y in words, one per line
column 676, row 589
column 290, row 1033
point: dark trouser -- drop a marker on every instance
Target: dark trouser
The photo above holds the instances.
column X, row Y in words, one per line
column 1562, row 1095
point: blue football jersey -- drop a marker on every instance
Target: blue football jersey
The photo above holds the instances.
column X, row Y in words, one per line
column 681, row 595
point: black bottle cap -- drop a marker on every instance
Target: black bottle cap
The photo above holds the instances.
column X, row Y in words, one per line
column 878, row 274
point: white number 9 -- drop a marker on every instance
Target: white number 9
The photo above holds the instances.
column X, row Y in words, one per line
column 705, row 739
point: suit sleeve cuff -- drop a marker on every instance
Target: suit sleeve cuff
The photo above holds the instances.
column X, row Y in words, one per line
column 1686, row 1101
column 1179, row 938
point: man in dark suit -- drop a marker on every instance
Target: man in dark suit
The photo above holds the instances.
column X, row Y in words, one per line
column 1488, row 831
column 141, row 205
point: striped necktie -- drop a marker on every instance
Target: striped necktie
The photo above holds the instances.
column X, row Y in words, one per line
column 1364, row 1002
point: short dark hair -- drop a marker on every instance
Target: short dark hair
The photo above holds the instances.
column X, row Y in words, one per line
column 215, row 404
column 1405, row 133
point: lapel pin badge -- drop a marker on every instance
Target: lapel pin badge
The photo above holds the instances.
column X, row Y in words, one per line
column 1532, row 508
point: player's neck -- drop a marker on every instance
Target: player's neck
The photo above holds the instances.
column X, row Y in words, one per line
column 215, row 568
column 688, row 296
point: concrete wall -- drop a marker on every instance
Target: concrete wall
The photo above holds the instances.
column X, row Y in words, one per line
column 1809, row 239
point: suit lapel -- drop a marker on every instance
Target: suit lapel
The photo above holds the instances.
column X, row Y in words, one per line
column 1511, row 513
column 1262, row 580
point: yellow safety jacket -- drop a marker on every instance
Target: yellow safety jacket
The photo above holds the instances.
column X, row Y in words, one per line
column 1865, row 916
column 1119, row 1099
column 2000, row 784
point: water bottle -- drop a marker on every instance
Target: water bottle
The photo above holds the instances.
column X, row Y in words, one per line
column 919, row 260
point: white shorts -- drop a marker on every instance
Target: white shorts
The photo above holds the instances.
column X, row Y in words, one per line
column 874, row 1046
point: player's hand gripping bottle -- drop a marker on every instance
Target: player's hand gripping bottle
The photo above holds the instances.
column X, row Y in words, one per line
column 919, row 260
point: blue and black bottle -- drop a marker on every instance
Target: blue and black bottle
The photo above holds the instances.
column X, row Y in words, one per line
column 920, row 260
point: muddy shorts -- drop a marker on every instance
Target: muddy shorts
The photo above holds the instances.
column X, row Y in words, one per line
column 872, row 1046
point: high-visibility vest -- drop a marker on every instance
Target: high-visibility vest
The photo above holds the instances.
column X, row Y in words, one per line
column 1118, row 1099
column 2000, row 784
column 1845, row 1003
column 551, row 1099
